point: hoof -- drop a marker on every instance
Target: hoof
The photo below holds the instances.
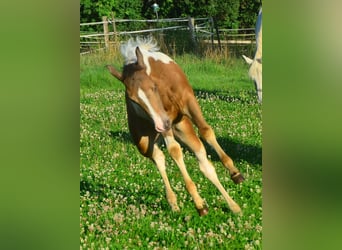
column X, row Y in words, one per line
column 203, row 211
column 175, row 208
column 237, row 178
column 236, row 210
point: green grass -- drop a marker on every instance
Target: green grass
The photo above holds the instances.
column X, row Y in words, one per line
column 122, row 196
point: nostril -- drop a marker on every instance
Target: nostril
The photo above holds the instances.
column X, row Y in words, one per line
column 167, row 124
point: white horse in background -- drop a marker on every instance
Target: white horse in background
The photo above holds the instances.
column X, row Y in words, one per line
column 255, row 71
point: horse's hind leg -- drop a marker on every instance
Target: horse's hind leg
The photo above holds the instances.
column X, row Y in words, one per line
column 185, row 132
column 208, row 135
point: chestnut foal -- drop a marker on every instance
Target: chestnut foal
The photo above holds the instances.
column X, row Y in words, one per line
column 160, row 100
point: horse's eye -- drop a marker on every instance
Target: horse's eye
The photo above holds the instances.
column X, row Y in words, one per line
column 154, row 88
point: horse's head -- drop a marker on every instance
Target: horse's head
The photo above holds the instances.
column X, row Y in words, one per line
column 255, row 70
column 255, row 73
column 143, row 92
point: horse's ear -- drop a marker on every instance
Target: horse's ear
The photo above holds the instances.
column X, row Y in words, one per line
column 247, row 59
column 140, row 58
column 115, row 73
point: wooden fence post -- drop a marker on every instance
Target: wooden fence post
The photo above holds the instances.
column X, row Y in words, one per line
column 105, row 31
column 218, row 35
column 211, row 22
column 114, row 28
column 191, row 23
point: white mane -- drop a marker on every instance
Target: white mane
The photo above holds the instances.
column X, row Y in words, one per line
column 128, row 48
column 148, row 47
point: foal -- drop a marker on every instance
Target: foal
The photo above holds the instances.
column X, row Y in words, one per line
column 160, row 101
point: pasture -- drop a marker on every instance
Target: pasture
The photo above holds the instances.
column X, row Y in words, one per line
column 122, row 196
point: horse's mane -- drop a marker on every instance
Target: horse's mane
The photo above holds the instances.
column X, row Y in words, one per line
column 145, row 43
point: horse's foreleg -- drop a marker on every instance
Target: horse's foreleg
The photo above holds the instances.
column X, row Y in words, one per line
column 148, row 148
column 177, row 155
column 159, row 159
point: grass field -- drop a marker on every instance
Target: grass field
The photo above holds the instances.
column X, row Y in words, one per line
column 122, row 197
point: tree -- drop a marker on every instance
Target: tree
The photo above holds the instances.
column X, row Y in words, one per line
column 92, row 11
column 226, row 13
column 248, row 12
column 222, row 10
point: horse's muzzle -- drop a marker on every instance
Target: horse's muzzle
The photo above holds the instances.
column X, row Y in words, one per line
column 167, row 124
column 163, row 126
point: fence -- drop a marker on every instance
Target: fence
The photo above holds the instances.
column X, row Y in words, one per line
column 173, row 34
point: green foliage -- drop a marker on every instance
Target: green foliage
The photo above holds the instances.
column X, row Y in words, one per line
column 226, row 13
column 94, row 10
column 122, row 198
column 248, row 12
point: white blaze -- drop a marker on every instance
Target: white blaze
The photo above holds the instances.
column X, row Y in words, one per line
column 158, row 122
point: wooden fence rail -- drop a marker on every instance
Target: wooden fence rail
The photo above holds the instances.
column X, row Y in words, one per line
column 195, row 26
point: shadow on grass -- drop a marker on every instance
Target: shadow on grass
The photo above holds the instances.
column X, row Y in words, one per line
column 133, row 197
column 237, row 151
column 153, row 192
column 122, row 136
column 245, row 96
